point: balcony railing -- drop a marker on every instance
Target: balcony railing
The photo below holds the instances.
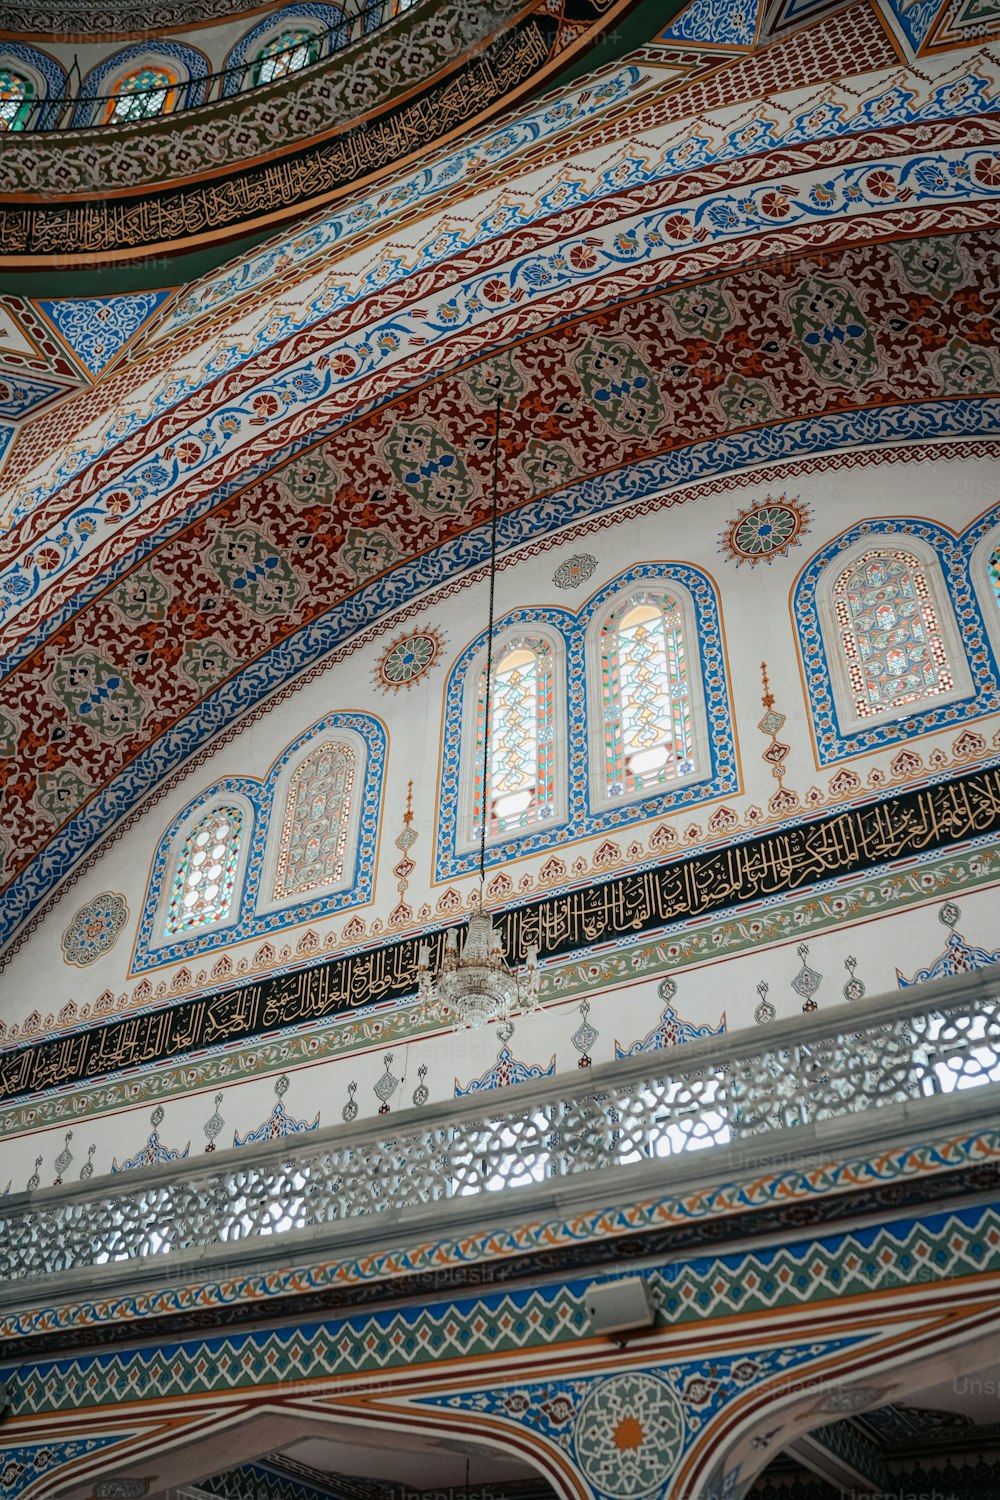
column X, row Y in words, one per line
column 77, row 109
column 932, row 1040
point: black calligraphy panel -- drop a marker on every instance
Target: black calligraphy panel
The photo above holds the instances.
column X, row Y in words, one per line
column 773, row 864
column 161, row 218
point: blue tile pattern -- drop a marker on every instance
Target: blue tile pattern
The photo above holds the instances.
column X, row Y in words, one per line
column 715, row 23
column 96, row 329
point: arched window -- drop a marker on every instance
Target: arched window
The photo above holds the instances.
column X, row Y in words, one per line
column 984, row 575
column 16, row 94
column 648, row 734
column 889, row 634
column 521, row 783
column 140, row 95
column 315, row 842
column 205, row 876
column 601, row 717
column 285, row 53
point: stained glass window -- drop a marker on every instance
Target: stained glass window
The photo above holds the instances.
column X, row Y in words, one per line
column 648, row 736
column 206, row 871
column 16, row 94
column 889, row 633
column 317, row 822
column 993, row 567
column 521, row 771
column 285, row 54
column 142, row 94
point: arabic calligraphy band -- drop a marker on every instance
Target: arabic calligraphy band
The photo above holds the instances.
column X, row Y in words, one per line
column 852, row 842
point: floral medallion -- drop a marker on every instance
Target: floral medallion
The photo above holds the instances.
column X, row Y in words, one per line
column 408, row 659
column 766, row 530
column 574, row 571
column 629, row 1433
column 95, row 928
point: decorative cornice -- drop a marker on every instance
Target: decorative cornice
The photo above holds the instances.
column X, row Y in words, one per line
column 867, row 838
column 343, row 123
column 69, row 19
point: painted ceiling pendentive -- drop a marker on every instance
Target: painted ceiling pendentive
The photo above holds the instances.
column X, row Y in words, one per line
column 36, row 369
column 829, row 285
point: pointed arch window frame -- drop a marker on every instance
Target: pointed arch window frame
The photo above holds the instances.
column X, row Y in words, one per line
column 215, row 800
column 585, row 816
column 189, row 63
column 986, row 592
column 253, row 921
column 267, row 899
column 618, row 602
column 508, row 631
column 29, row 102
column 843, row 692
column 46, row 75
column 121, row 94
column 321, row 16
column 968, row 617
column 309, row 38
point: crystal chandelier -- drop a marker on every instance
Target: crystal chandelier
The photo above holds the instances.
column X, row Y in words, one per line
column 475, row 984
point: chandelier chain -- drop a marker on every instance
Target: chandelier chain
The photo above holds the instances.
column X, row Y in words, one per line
column 488, row 705
column 474, row 983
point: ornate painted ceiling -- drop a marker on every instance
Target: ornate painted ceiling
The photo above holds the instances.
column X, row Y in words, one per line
column 251, row 161
column 683, row 267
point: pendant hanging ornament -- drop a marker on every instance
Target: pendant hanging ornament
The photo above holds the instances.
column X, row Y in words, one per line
column 475, row 984
column 765, row 1012
column 853, row 989
column 584, row 1036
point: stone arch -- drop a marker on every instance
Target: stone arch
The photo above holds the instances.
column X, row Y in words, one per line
column 213, row 1439
column 942, row 1341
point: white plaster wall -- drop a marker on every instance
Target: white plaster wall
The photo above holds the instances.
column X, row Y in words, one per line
column 710, row 992
column 756, row 621
column 757, row 626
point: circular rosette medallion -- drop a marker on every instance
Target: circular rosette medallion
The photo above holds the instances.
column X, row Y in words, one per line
column 629, row 1433
column 408, row 659
column 766, row 531
column 94, row 929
